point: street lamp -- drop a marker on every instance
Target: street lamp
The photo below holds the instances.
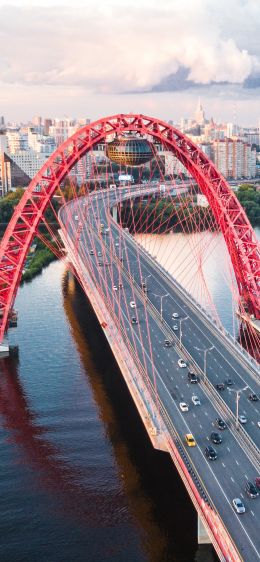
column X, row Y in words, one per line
column 161, row 308
column 205, row 351
column 181, row 320
column 238, row 394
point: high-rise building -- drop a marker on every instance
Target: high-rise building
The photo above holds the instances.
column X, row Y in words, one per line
column 234, row 158
column 199, row 114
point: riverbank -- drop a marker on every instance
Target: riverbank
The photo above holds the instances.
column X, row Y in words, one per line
column 37, row 261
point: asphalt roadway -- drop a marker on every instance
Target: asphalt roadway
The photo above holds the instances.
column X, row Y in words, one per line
column 238, row 457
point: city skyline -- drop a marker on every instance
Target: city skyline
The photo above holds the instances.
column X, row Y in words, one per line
column 130, row 57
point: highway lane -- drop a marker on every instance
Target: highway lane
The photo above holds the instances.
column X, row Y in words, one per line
column 199, row 418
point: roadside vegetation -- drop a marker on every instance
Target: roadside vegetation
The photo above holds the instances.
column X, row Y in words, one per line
column 249, row 198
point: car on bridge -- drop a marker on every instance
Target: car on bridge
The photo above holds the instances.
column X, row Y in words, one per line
column 238, row 505
column 115, row 288
column 220, row 386
column 190, row 440
column 253, row 397
column 251, row 490
column 175, row 315
column 175, row 328
column 195, row 400
column 132, row 304
column 182, row 363
column 184, row 407
column 134, row 320
column 193, row 378
column 167, row 343
column 221, row 424
column 215, row 438
column 211, row 453
column 242, row 418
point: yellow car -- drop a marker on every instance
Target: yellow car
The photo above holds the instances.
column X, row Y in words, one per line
column 190, row 440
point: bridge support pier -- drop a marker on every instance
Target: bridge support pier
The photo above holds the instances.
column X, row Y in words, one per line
column 114, row 214
column 203, row 537
column 4, row 349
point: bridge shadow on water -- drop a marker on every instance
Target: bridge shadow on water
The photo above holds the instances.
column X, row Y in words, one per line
column 158, row 501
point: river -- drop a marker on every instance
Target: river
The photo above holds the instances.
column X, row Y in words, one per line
column 79, row 480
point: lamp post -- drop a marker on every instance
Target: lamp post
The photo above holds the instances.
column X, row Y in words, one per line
column 238, row 394
column 182, row 320
column 205, row 351
column 145, row 287
column 161, row 308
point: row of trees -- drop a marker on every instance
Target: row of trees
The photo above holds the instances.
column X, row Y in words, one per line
column 249, row 198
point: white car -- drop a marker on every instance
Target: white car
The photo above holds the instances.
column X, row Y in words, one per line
column 242, row 418
column 132, row 304
column 182, row 363
column 258, row 423
column 184, row 407
column 195, row 400
column 117, row 244
column 76, row 218
column 115, row 288
column 175, row 328
column 238, row 505
column 175, row 315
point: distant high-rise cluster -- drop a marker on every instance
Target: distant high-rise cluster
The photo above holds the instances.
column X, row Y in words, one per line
column 24, row 148
column 232, row 148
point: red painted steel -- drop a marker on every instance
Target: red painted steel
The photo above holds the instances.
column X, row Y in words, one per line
column 239, row 236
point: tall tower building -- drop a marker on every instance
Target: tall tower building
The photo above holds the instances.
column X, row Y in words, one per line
column 199, row 114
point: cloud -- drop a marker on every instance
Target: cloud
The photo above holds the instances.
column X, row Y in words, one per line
column 129, row 45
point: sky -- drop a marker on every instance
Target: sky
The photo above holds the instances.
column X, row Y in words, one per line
column 86, row 58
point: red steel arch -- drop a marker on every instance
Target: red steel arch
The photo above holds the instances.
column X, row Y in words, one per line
column 240, row 239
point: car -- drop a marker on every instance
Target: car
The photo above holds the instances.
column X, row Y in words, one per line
column 134, row 320
column 91, row 252
column 221, row 424
column 193, row 378
column 175, row 328
column 195, row 400
column 190, row 440
column 210, row 453
column 251, row 490
column 258, row 423
column 100, row 263
column 215, row 438
column 107, row 229
column 175, row 315
column 115, row 288
column 76, row 217
column 220, row 386
column 99, row 254
column 257, row 482
column 167, row 343
column 238, row 505
column 121, row 258
column 184, row 407
column 107, row 263
column 132, row 304
column 229, row 382
column 253, row 397
column 242, row 418
column 182, row 363
column 117, row 244
column 120, row 286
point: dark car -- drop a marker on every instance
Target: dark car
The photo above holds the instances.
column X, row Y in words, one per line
column 193, row 378
column 253, row 397
column 251, row 490
column 220, row 386
column 134, row 320
column 221, row 424
column 210, row 453
column 167, row 343
column 229, row 382
column 216, row 438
